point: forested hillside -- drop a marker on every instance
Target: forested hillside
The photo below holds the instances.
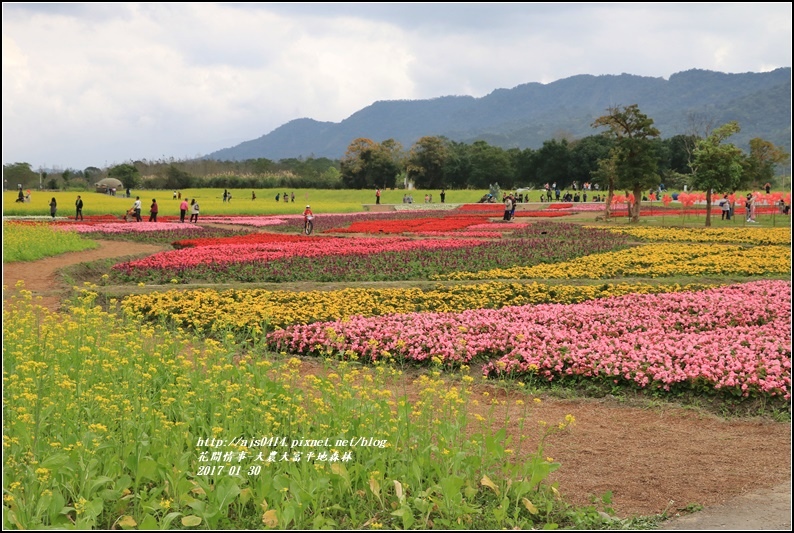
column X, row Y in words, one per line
column 529, row 114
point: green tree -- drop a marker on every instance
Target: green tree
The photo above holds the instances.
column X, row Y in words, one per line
column 490, row 164
column 554, row 163
column 261, row 165
column 426, row 162
column 91, row 172
column 20, row 173
column 679, row 153
column 761, row 163
column 606, row 176
column 354, row 165
column 636, row 161
column 367, row 164
column 388, row 163
column 524, row 164
column 585, row 155
column 457, row 165
column 176, row 178
column 67, row 176
column 127, row 174
column 719, row 166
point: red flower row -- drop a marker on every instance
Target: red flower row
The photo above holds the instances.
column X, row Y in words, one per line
column 450, row 223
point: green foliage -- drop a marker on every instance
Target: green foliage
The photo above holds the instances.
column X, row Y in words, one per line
column 106, row 431
column 370, row 165
column 178, row 179
column 490, row 164
column 127, row 174
column 20, row 173
column 718, row 166
column 635, row 156
column 29, row 242
column 426, row 162
column 760, row 165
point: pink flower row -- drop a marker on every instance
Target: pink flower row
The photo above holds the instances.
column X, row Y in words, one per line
column 244, row 253
column 256, row 221
column 736, row 337
column 132, row 227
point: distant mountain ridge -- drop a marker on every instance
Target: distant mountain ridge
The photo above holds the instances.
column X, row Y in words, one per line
column 529, row 114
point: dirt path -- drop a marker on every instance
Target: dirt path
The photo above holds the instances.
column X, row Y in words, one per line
column 739, row 471
column 41, row 279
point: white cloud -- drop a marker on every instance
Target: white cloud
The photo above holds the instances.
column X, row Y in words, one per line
column 93, row 84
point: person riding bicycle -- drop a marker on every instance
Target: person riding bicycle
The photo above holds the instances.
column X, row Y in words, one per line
column 307, row 215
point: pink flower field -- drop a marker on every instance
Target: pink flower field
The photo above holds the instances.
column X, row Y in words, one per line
column 736, row 338
column 226, row 254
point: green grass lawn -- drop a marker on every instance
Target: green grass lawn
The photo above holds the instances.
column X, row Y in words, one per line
column 321, row 201
column 211, row 201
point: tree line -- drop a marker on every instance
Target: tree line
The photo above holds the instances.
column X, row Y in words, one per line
column 624, row 151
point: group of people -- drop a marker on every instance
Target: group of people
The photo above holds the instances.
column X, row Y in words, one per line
column 286, row 197
column 154, row 210
column 194, row 210
column 409, row 199
column 587, row 186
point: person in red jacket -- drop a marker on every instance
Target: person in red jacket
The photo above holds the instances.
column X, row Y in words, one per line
column 153, row 211
column 307, row 216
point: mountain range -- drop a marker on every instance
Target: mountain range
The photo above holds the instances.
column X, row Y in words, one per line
column 529, row 114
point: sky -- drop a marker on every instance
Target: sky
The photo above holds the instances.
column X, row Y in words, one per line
column 102, row 84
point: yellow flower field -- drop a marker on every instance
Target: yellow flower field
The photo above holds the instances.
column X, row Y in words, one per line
column 257, row 309
column 779, row 236
column 654, row 260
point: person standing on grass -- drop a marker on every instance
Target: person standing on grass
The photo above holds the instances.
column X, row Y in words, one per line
column 78, row 204
column 153, row 210
column 53, row 208
column 726, row 208
column 182, row 210
column 443, row 195
column 753, row 204
column 749, row 207
column 377, row 196
column 194, row 210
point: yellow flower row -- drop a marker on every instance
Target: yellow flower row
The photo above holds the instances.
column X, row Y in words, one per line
column 759, row 236
column 256, row 310
column 654, row 260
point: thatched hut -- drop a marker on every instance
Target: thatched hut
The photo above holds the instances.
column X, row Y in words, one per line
column 107, row 184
